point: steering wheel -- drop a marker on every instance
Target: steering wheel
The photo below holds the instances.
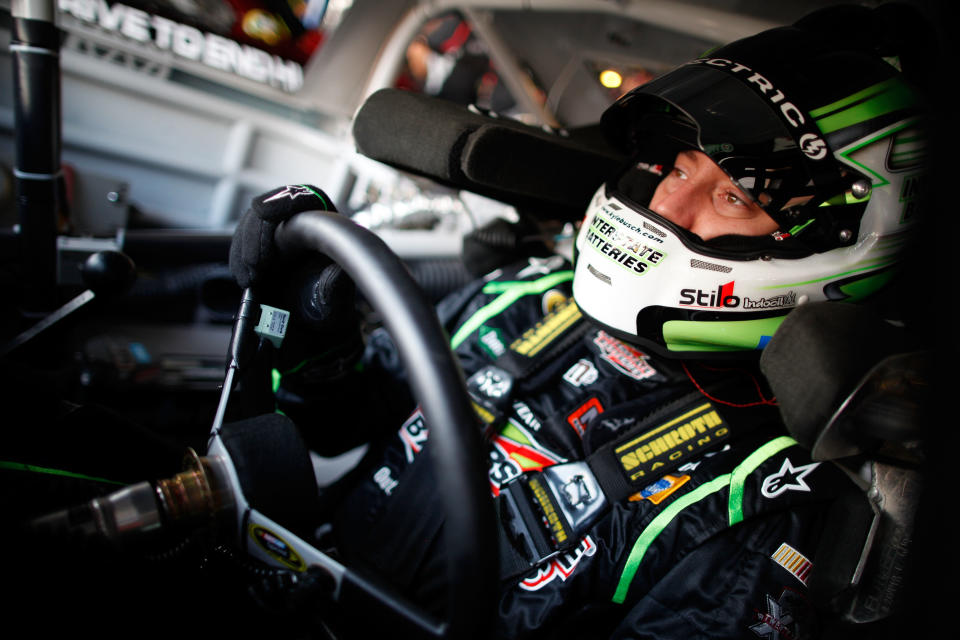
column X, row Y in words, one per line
column 437, row 382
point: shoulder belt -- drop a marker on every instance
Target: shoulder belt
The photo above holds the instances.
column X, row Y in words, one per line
column 545, row 513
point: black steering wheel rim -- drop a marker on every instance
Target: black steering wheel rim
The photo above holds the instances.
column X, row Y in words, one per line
column 455, row 448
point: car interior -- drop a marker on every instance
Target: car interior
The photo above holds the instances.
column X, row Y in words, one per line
column 121, row 319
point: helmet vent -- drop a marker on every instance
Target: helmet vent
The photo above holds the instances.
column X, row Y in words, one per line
column 649, row 227
column 600, row 276
column 700, row 264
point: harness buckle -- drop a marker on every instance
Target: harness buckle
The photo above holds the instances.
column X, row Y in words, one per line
column 545, row 513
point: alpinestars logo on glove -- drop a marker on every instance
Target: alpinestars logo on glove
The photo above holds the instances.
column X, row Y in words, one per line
column 291, row 191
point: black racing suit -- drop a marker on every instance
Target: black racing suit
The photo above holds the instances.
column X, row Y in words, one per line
column 719, row 546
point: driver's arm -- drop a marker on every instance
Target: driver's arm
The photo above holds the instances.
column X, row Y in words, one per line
column 324, row 376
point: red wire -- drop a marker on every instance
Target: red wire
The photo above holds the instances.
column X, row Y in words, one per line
column 756, row 384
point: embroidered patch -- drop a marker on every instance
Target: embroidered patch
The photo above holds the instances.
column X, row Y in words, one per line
column 788, row 478
column 583, row 414
column 491, row 341
column 385, row 480
column 673, row 442
column 526, row 415
column 551, row 327
column 561, row 567
column 513, row 451
column 581, row 374
column 413, row 435
column 624, row 357
column 777, row 623
column 661, row 489
column 793, row 561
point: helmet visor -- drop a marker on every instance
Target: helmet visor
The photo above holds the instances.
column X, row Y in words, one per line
column 746, row 135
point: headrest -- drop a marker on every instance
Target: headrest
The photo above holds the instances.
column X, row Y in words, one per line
column 847, row 381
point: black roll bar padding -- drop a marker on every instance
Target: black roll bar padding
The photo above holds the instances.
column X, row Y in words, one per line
column 438, row 383
column 35, row 47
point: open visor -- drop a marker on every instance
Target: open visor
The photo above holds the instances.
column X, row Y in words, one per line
column 748, row 136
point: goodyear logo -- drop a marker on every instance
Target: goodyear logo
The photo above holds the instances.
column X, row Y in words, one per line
column 550, row 515
column 565, row 315
column 663, row 447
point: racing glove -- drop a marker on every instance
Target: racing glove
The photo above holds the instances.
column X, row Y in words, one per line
column 253, row 253
column 323, row 339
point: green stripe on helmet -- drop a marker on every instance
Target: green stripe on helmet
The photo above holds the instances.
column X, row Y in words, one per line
column 880, row 99
column 735, row 335
column 863, row 287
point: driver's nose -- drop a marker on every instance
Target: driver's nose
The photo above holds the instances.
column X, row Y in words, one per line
column 682, row 204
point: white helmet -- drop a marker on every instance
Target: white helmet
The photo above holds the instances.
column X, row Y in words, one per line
column 825, row 136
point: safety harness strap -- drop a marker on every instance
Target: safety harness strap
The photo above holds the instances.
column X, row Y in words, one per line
column 545, row 513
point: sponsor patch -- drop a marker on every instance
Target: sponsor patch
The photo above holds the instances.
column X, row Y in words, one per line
column 385, row 480
column 793, row 561
column 777, row 622
column 584, row 414
column 526, row 415
column 581, row 374
column 276, row 547
column 788, row 478
column 490, row 389
column 413, row 435
column 548, row 329
column 661, row 489
column 672, row 443
column 561, row 567
column 514, row 451
column 491, row 382
column 624, row 357
column 491, row 341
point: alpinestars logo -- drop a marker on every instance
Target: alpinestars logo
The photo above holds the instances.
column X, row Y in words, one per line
column 788, row 478
column 290, row 191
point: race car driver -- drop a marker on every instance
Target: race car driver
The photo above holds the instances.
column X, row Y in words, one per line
column 777, row 171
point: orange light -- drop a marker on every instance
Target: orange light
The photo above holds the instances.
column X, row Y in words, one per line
column 610, row 79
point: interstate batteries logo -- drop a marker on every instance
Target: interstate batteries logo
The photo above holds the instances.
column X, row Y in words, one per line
column 723, row 297
column 628, row 249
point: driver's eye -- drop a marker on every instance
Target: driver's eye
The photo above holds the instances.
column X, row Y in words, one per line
column 732, row 199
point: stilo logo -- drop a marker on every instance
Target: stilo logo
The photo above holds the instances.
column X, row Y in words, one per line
column 721, row 298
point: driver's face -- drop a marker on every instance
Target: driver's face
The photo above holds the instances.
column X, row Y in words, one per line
column 700, row 197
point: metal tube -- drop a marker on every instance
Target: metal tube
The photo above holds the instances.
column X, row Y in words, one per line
column 35, row 48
